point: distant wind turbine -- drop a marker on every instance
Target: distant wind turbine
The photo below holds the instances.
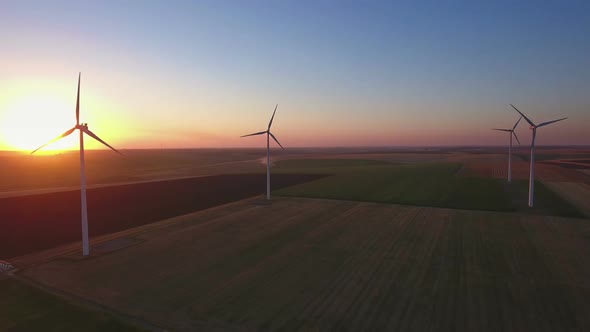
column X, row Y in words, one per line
column 534, row 129
column 268, row 136
column 512, row 133
column 83, row 128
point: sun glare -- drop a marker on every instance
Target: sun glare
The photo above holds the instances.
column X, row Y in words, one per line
column 31, row 121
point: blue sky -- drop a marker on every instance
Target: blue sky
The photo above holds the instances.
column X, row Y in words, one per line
column 343, row 72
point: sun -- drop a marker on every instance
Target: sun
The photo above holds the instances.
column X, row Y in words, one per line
column 31, row 121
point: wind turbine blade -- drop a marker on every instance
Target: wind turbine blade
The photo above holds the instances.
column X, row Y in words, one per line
column 501, row 129
column 272, row 118
column 258, row 133
column 515, row 136
column 55, row 139
column 276, row 140
column 524, row 116
column 93, row 135
column 516, row 124
column 78, row 101
column 550, row 122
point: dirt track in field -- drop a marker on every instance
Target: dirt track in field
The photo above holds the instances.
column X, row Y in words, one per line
column 37, row 222
column 303, row 264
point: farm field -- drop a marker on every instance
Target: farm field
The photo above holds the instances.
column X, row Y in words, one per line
column 57, row 213
column 38, row 222
column 301, row 263
column 555, row 154
column 305, row 264
column 391, row 157
column 23, row 172
column 423, row 184
column 427, row 184
column 576, row 193
column 19, row 171
column 521, row 170
column 570, row 163
column 24, row 308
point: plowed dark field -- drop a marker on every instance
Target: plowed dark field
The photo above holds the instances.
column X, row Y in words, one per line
column 37, row 222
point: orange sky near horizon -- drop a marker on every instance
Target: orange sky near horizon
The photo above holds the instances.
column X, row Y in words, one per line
column 35, row 110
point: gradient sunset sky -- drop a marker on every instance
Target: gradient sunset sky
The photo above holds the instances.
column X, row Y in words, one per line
column 344, row 73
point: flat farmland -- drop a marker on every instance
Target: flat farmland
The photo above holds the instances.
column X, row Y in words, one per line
column 576, row 193
column 426, row 184
column 543, row 154
column 496, row 169
column 397, row 157
column 570, row 163
column 24, row 172
column 521, row 170
column 24, row 308
column 21, row 171
column 304, row 264
column 37, row 222
column 478, row 157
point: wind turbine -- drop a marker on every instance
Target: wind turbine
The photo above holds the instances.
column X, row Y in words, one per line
column 268, row 136
column 83, row 128
column 512, row 133
column 534, row 129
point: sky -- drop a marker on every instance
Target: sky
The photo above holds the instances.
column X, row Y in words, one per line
column 181, row 74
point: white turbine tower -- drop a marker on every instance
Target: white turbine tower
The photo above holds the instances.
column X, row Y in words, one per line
column 512, row 133
column 83, row 128
column 268, row 136
column 532, row 175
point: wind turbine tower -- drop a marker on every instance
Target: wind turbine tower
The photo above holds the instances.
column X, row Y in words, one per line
column 83, row 128
column 534, row 128
column 512, row 133
column 268, row 136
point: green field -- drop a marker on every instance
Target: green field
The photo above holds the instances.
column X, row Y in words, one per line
column 427, row 184
column 23, row 308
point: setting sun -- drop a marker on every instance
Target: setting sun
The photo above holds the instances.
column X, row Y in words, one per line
column 30, row 121
column 35, row 115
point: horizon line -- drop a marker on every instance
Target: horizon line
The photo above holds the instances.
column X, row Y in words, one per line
column 323, row 147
